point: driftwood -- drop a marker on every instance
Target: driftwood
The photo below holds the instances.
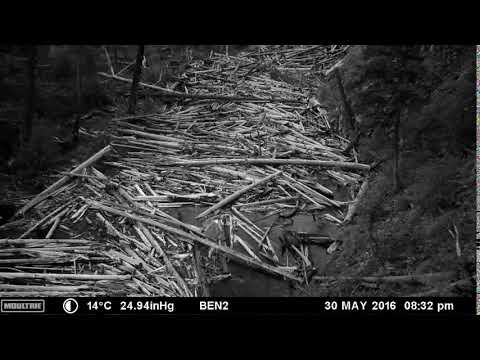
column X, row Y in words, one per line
column 190, row 238
column 266, row 202
column 109, row 61
column 320, row 163
column 68, row 288
column 44, row 194
column 352, row 208
column 54, row 227
column 237, row 194
column 165, row 258
column 26, row 242
column 56, row 213
column 177, row 94
column 197, row 263
column 239, row 111
column 93, row 277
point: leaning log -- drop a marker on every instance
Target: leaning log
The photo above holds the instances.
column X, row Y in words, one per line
column 48, row 191
column 237, row 194
column 352, row 208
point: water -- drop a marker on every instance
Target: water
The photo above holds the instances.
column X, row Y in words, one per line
column 246, row 281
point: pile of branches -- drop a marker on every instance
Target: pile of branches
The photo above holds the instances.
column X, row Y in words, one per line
column 248, row 145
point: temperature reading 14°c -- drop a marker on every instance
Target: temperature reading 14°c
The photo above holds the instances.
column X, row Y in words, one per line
column 99, row 305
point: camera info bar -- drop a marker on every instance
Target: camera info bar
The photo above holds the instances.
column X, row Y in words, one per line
column 78, row 306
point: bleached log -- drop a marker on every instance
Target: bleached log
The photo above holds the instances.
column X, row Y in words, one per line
column 177, row 94
column 237, row 194
column 352, row 208
column 45, row 193
column 191, row 238
column 249, row 161
column 57, row 276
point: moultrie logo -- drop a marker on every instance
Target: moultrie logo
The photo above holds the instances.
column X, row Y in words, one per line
column 22, row 306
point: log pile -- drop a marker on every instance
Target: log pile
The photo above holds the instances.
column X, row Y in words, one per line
column 237, row 142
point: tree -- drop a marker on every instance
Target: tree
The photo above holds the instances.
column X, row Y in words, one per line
column 78, row 100
column 115, row 58
column 349, row 119
column 84, row 69
column 136, row 79
column 30, row 96
column 390, row 79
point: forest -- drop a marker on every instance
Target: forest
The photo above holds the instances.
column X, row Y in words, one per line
column 237, row 170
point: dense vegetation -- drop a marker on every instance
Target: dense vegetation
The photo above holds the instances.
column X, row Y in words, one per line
column 410, row 228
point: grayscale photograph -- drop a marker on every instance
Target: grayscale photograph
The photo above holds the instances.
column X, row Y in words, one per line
column 237, row 171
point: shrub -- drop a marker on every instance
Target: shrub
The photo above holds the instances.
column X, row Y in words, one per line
column 434, row 188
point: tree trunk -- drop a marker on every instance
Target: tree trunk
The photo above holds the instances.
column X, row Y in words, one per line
column 115, row 58
column 78, row 98
column 349, row 123
column 30, row 96
column 396, row 154
column 136, row 79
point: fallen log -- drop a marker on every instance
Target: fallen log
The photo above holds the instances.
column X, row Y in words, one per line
column 62, row 210
column 45, row 193
column 306, row 162
column 164, row 256
column 352, row 208
column 266, row 202
column 236, row 195
column 69, row 288
column 393, row 278
column 177, row 94
column 23, row 242
column 197, row 263
column 56, row 276
column 190, row 238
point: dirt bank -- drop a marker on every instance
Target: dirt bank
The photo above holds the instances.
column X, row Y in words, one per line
column 428, row 223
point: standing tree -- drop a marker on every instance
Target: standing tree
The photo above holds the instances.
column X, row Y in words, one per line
column 390, row 78
column 84, row 73
column 136, row 79
column 76, row 67
column 30, row 96
column 115, row 57
column 78, row 99
column 349, row 119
